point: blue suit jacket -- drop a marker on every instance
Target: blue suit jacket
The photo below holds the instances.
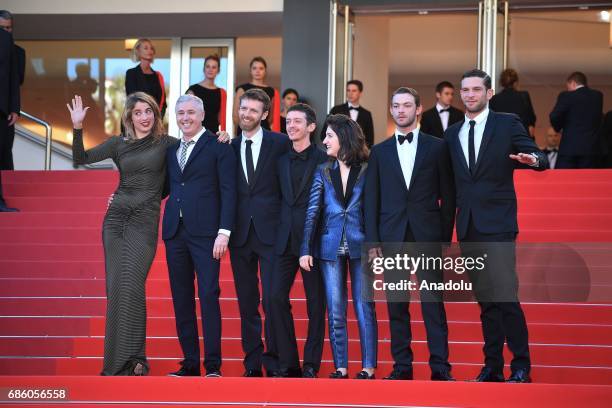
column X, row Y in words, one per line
column 205, row 192
column 488, row 196
column 330, row 212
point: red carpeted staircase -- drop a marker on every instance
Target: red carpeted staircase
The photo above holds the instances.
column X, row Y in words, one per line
column 52, row 310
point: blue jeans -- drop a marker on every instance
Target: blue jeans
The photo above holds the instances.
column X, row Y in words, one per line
column 334, row 278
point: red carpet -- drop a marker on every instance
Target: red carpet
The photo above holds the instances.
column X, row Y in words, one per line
column 52, row 307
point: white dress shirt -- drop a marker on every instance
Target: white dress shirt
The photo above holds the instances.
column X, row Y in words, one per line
column 255, row 148
column 189, row 150
column 481, row 121
column 443, row 116
column 352, row 112
column 407, row 154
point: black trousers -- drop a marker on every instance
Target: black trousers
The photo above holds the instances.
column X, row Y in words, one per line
column 6, row 149
column 496, row 290
column 285, row 272
column 245, row 260
column 434, row 316
column 4, row 134
column 185, row 254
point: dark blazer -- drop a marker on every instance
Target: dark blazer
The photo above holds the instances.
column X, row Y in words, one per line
column 577, row 114
column 259, row 202
column 431, row 123
column 21, row 63
column 135, row 81
column 488, row 197
column 330, row 212
column 205, row 191
column 364, row 119
column 517, row 102
column 9, row 75
column 428, row 206
column 294, row 203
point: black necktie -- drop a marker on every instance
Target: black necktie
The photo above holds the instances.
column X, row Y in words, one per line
column 444, row 110
column 248, row 154
column 293, row 155
column 402, row 138
column 471, row 149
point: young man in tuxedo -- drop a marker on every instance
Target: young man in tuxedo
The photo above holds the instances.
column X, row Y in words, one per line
column 485, row 149
column 410, row 197
column 295, row 171
column 355, row 111
column 577, row 114
column 257, row 218
column 437, row 119
column 198, row 220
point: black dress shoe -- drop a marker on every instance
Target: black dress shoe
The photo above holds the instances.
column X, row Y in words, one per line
column 213, row 373
column 186, row 372
column 488, row 375
column 274, row 373
column 441, row 376
column 363, row 375
column 309, row 372
column 253, row 373
column 520, row 375
column 338, row 375
column 399, row 375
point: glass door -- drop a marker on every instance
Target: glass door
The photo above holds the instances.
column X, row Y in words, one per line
column 188, row 58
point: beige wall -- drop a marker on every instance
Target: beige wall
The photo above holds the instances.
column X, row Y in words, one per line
column 268, row 47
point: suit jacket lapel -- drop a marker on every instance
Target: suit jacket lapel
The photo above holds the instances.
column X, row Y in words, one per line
column 236, row 145
column 312, row 163
column 264, row 152
column 422, row 149
column 203, row 140
column 285, row 177
column 395, row 160
column 334, row 173
column 439, row 121
column 453, row 139
column 486, row 138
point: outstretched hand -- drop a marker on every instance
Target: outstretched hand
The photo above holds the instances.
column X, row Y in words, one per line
column 524, row 158
column 77, row 112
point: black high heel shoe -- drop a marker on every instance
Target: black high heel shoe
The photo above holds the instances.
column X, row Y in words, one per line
column 338, row 375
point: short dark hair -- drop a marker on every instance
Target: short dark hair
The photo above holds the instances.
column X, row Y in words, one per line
column 213, row 57
column 291, row 91
column 311, row 116
column 578, row 77
column 256, row 94
column 353, row 149
column 410, row 91
column 508, row 78
column 444, row 84
column 5, row 14
column 258, row 59
column 478, row 73
column 357, row 83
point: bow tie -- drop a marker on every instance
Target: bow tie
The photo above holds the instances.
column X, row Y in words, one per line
column 402, row 138
column 353, row 108
column 552, row 150
column 444, row 110
column 293, row 155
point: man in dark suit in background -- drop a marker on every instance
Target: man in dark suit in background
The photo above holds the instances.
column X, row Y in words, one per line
column 6, row 158
column 257, row 218
column 9, row 97
column 485, row 149
column 355, row 111
column 577, row 115
column 198, row 220
column 410, row 197
column 295, row 170
column 437, row 119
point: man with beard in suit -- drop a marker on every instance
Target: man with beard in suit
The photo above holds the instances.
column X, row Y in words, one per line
column 295, row 170
column 355, row 111
column 437, row 119
column 410, row 197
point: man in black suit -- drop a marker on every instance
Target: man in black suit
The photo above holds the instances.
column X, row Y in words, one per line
column 9, row 97
column 198, row 220
column 485, row 149
column 6, row 158
column 437, row 119
column 252, row 242
column 551, row 150
column 295, row 170
column 577, row 114
column 358, row 113
column 410, row 197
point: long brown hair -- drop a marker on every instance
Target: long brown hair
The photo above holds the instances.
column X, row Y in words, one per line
column 128, row 125
column 353, row 149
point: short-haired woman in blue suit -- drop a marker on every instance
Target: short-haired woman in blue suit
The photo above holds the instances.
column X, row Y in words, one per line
column 334, row 234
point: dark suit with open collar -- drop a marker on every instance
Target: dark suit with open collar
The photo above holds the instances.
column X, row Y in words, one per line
column 289, row 239
column 423, row 212
column 487, row 215
column 6, row 150
column 364, row 119
column 202, row 200
column 432, row 124
column 252, row 245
